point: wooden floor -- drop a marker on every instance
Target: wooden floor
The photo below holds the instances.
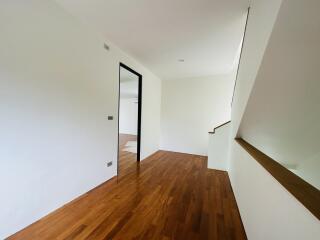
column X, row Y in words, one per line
column 127, row 160
column 167, row 196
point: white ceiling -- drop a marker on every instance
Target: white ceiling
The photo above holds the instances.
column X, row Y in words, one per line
column 126, row 76
column 129, row 84
column 206, row 33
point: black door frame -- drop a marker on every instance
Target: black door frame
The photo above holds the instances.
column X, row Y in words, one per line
column 122, row 65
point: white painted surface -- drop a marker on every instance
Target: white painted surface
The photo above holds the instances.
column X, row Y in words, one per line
column 191, row 108
column 129, row 91
column 219, row 148
column 283, row 114
column 128, row 122
column 309, row 169
column 58, row 84
column 261, row 20
column 129, row 84
column 267, row 209
column 206, row 33
column 127, row 76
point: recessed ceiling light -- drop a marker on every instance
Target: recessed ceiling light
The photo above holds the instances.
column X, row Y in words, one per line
column 106, row 46
column 180, row 60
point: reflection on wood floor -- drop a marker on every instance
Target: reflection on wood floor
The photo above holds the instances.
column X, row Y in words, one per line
column 166, row 196
column 127, row 159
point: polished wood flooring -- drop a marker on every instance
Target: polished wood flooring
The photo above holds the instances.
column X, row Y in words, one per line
column 127, row 160
column 166, row 196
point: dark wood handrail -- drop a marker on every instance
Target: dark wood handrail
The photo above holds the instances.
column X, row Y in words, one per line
column 221, row 125
column 307, row 194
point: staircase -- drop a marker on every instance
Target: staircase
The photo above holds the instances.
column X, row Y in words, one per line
column 218, row 147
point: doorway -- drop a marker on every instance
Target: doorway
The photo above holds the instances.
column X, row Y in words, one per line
column 129, row 117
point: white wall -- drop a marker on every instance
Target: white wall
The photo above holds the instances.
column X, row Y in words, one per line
column 261, row 20
column 267, row 209
column 309, row 170
column 283, row 114
column 191, row 108
column 219, row 148
column 128, row 122
column 57, row 86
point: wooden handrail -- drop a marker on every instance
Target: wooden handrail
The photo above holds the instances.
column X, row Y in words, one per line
column 221, row 125
column 307, row 194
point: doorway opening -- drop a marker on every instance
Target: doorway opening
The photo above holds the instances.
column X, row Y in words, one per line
column 129, row 117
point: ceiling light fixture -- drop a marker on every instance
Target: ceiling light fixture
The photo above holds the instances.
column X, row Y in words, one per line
column 106, row 46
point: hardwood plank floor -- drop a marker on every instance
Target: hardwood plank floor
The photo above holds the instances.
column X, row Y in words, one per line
column 167, row 196
column 127, row 160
